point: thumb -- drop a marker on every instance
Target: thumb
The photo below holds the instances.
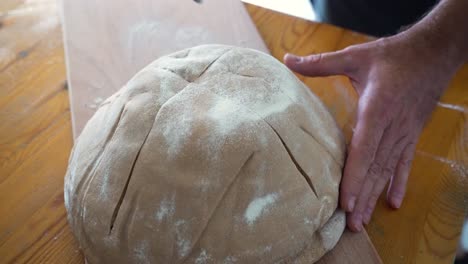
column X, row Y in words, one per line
column 322, row 64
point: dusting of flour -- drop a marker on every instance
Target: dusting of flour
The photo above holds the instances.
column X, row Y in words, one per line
column 278, row 104
column 258, row 206
column 142, row 252
column 182, row 241
column 176, row 133
column 166, row 208
column 202, row 258
column 228, row 109
column 228, row 115
column 230, row 260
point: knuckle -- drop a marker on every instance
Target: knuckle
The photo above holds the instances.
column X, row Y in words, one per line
column 352, row 185
column 315, row 59
column 390, row 166
column 387, row 171
column 393, row 161
column 375, row 169
column 407, row 157
column 405, row 162
column 402, row 139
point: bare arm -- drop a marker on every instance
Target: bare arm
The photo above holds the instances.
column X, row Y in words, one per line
column 399, row 80
column 444, row 30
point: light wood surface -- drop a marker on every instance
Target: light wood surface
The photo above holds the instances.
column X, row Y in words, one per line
column 36, row 138
column 426, row 229
column 105, row 47
column 108, row 41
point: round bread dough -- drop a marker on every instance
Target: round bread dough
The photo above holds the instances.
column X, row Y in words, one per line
column 213, row 154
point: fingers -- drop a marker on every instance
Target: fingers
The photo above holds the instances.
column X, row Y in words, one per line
column 373, row 175
column 323, row 64
column 397, row 188
column 386, row 174
column 364, row 144
column 393, row 158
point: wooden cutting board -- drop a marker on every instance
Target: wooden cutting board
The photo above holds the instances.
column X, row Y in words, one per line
column 107, row 42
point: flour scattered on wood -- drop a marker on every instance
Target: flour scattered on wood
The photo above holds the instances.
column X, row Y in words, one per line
column 98, row 100
column 143, row 36
column 259, row 206
column 147, row 28
column 96, row 103
column 186, row 36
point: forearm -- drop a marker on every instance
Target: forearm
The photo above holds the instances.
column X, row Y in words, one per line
column 443, row 31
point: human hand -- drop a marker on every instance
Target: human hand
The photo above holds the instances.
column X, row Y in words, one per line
column 398, row 83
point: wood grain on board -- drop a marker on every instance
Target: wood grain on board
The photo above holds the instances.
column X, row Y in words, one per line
column 107, row 47
column 426, row 229
column 36, row 138
column 108, row 41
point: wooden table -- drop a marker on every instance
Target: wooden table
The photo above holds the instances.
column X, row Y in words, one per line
column 36, row 139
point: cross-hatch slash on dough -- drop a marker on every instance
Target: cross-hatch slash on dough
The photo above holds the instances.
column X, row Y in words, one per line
column 298, row 167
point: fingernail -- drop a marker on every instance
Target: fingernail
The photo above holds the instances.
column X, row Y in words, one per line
column 396, row 202
column 359, row 227
column 351, row 204
column 358, row 223
column 367, row 216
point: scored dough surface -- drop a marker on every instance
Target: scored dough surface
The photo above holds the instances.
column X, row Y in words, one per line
column 213, row 154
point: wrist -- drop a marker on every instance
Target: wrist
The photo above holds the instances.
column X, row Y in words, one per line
column 429, row 48
column 442, row 32
column 410, row 57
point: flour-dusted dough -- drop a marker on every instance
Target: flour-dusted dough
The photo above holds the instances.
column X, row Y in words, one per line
column 213, row 154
